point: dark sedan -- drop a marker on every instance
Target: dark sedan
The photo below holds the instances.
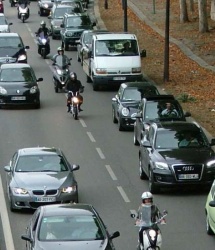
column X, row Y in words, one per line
column 126, row 102
column 155, row 109
column 68, row 226
column 176, row 154
column 19, row 85
column 45, row 7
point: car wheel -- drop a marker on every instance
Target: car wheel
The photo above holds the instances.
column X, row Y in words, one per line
column 136, row 143
column 152, row 187
column 78, row 58
column 88, row 79
column 66, row 46
column 37, row 106
column 41, row 12
column 12, row 209
column 113, row 116
column 142, row 174
column 120, row 127
column 53, row 36
column 95, row 86
column 208, row 227
column 82, row 60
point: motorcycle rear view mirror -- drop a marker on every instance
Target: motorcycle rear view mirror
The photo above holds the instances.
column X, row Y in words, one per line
column 133, row 215
column 165, row 212
column 70, row 59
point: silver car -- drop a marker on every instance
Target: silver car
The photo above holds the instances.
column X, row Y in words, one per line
column 4, row 24
column 39, row 176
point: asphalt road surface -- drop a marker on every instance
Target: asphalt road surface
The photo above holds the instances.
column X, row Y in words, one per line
column 108, row 177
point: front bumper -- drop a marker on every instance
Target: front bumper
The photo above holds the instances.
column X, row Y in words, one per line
column 71, row 40
column 14, row 100
column 127, row 122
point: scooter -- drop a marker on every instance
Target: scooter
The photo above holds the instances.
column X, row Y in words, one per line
column 23, row 12
column 13, row 3
column 75, row 102
column 152, row 238
column 43, row 45
column 61, row 72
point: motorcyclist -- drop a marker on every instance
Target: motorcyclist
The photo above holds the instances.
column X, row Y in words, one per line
column 60, row 52
column 143, row 210
column 45, row 31
column 25, row 3
column 74, row 85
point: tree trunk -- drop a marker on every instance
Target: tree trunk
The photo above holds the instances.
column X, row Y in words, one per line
column 203, row 20
column 183, row 11
column 191, row 5
column 213, row 10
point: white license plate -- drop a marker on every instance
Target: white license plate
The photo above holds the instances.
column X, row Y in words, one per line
column 118, row 78
column 45, row 199
column 18, row 98
column 188, row 176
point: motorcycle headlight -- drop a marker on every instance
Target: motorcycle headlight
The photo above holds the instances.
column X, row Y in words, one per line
column 125, row 112
column 43, row 41
column 3, row 91
column 211, row 163
column 69, row 189
column 60, row 72
column 75, row 99
column 22, row 58
column 20, row 191
column 33, row 90
column 136, row 70
column 45, row 5
column 101, row 71
column 161, row 165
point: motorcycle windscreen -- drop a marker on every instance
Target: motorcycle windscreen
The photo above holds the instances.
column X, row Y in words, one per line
column 61, row 61
column 145, row 216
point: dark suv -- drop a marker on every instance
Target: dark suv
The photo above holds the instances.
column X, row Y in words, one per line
column 155, row 109
column 12, row 49
column 72, row 27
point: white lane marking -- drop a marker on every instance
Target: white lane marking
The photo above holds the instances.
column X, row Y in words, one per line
column 5, row 221
column 100, row 153
column 83, row 123
column 110, row 171
column 123, row 194
column 91, row 137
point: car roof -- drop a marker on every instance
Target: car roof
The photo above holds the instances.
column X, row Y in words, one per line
column 68, row 15
column 115, row 35
column 15, row 65
column 159, row 97
column 182, row 125
column 9, row 34
column 67, row 209
column 39, row 151
column 137, row 84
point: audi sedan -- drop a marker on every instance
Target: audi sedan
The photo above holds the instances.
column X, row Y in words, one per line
column 68, row 226
column 39, row 176
column 176, row 154
column 19, row 85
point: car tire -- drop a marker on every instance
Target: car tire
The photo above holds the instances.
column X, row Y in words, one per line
column 37, row 106
column 53, row 36
column 66, row 46
column 142, row 174
column 82, row 60
column 113, row 116
column 12, row 209
column 152, row 186
column 41, row 12
column 88, row 79
column 120, row 127
column 208, row 227
column 95, row 87
column 136, row 143
column 78, row 58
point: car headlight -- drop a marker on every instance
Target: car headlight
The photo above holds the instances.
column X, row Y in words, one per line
column 69, row 189
column 56, row 27
column 69, row 34
column 125, row 112
column 101, row 71
column 3, row 91
column 22, row 58
column 161, row 165
column 136, row 70
column 60, row 72
column 211, row 163
column 146, row 126
column 33, row 90
column 45, row 5
column 20, row 191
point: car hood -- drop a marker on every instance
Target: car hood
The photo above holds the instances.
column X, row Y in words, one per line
column 68, row 245
column 36, row 180
column 187, row 156
column 56, row 22
column 78, row 29
column 9, row 51
column 3, row 28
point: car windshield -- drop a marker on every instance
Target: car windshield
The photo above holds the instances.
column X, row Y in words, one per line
column 2, row 20
column 179, row 138
column 137, row 94
column 87, row 38
column 78, row 21
column 77, row 6
column 116, row 48
column 41, row 163
column 60, row 12
column 10, row 42
column 70, row 228
column 17, row 75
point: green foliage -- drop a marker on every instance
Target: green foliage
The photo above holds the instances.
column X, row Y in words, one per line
column 184, row 97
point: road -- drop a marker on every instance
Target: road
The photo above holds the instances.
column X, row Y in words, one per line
column 108, row 176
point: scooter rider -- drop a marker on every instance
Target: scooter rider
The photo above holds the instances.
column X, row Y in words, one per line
column 45, row 31
column 74, row 85
column 147, row 202
column 26, row 3
column 60, row 52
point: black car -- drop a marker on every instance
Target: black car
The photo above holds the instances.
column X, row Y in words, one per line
column 155, row 109
column 176, row 154
column 12, row 48
column 19, row 85
column 72, row 27
column 68, row 226
column 44, row 7
column 126, row 102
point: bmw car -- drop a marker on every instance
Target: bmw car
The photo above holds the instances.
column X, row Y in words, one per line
column 210, row 209
column 19, row 85
column 68, row 226
column 126, row 102
column 40, row 176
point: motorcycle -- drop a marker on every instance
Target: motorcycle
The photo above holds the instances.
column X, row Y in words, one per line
column 43, row 45
column 13, row 3
column 23, row 12
column 61, row 73
column 75, row 102
column 152, row 239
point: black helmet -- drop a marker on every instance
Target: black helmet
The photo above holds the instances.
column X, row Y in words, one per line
column 60, row 49
column 43, row 24
column 73, row 76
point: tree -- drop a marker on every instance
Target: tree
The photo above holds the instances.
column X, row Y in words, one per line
column 183, row 11
column 213, row 10
column 203, row 21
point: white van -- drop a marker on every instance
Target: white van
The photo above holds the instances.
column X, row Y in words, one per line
column 112, row 58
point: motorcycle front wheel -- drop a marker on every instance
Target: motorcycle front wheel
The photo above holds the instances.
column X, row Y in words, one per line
column 75, row 113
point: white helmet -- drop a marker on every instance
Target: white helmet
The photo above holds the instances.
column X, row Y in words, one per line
column 147, row 195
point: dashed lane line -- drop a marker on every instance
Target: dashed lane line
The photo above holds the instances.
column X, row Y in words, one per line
column 123, row 194
column 111, row 173
column 91, row 137
column 83, row 123
column 100, row 153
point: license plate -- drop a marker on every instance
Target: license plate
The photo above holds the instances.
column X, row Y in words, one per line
column 188, row 176
column 119, row 78
column 18, row 98
column 45, row 199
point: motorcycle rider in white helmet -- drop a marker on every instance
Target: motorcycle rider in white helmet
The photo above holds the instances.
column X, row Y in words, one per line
column 146, row 209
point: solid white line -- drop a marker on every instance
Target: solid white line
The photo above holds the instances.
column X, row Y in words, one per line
column 124, row 195
column 110, row 171
column 83, row 123
column 91, row 137
column 100, row 153
column 5, row 221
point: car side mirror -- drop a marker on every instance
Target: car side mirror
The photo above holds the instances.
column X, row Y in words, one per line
column 94, row 24
column 49, row 17
column 115, row 235
column 143, row 53
column 138, row 115
column 187, row 114
column 27, row 238
column 75, row 167
column 27, row 47
column 145, row 143
column 212, row 142
column 10, row 24
column 212, row 203
column 62, row 25
column 7, row 168
column 114, row 99
column 40, row 79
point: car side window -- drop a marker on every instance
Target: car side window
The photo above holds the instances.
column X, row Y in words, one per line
column 13, row 160
column 120, row 93
column 34, row 222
